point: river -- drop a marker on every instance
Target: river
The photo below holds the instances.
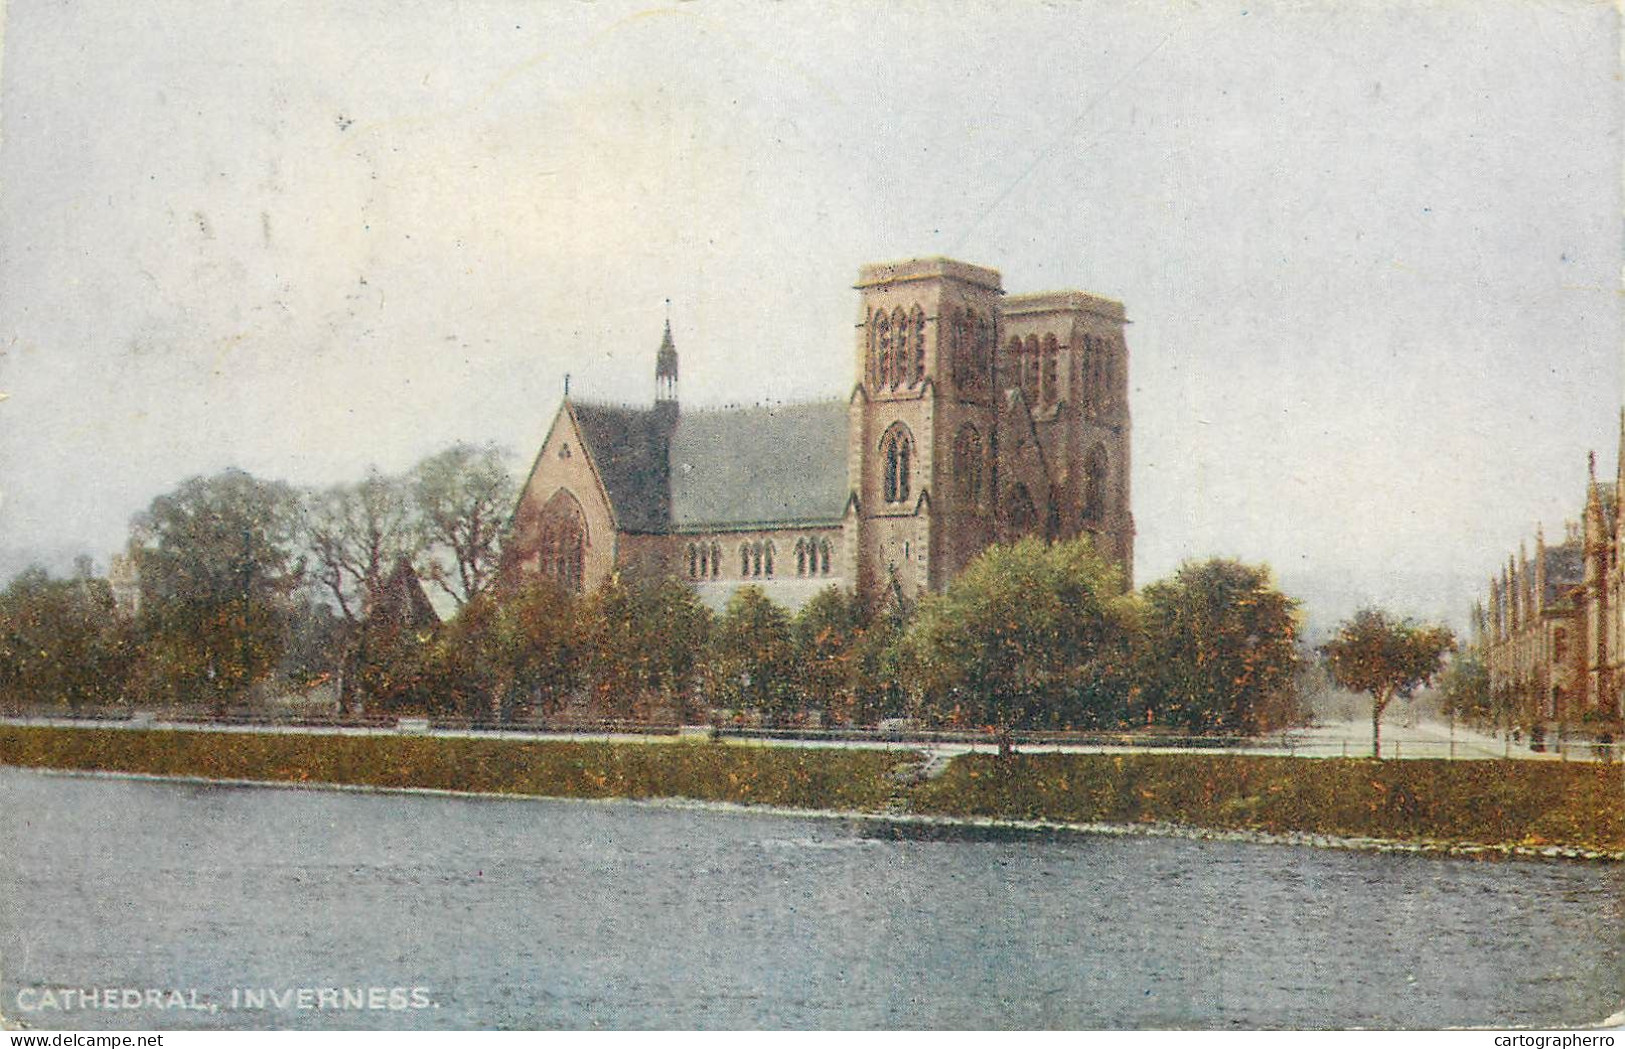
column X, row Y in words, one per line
column 222, row 906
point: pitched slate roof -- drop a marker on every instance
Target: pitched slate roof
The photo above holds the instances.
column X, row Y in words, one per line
column 401, row 602
column 719, row 469
column 628, row 447
column 778, row 465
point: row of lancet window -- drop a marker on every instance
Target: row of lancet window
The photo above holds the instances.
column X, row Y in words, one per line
column 896, row 348
column 704, row 560
column 1104, row 371
column 970, row 345
column 1040, row 364
column 812, row 557
column 756, row 559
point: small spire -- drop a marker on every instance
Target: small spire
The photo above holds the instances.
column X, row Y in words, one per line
column 666, row 364
column 566, row 384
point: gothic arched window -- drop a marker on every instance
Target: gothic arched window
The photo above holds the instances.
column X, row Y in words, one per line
column 1049, row 385
column 903, row 357
column 871, row 357
column 917, row 325
column 744, row 559
column 756, row 559
column 693, row 561
column 967, row 373
column 968, row 463
column 897, row 447
column 1094, row 485
column 883, row 340
column 767, row 559
column 823, row 550
column 1029, row 371
column 716, row 560
column 1111, row 372
column 801, row 557
column 562, row 551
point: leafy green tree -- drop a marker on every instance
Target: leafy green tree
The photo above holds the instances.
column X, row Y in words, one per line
column 1386, row 657
column 1465, row 688
column 1219, row 647
column 829, row 633
column 645, row 646
column 753, row 655
column 62, row 641
column 463, row 497
column 512, row 652
column 1030, row 634
column 217, row 568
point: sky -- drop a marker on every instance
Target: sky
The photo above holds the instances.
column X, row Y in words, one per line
column 1371, row 253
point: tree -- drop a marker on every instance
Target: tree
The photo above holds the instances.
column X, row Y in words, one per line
column 828, row 633
column 217, row 567
column 753, row 654
column 513, row 651
column 646, row 645
column 1219, row 646
column 1465, row 688
column 464, row 496
column 1030, row 633
column 1385, row 657
column 357, row 534
column 61, row 641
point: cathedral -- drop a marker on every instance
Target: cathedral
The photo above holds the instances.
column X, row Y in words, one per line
column 1553, row 629
column 974, row 417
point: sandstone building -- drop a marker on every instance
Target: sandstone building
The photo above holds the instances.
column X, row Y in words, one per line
column 974, row 417
column 1553, row 630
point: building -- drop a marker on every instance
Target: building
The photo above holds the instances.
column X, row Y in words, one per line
column 1553, row 629
column 974, row 417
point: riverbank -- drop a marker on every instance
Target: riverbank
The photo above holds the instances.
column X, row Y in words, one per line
column 858, row 780
column 1487, row 808
column 1429, row 805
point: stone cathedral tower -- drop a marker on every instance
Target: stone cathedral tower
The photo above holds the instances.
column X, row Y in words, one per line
column 978, row 418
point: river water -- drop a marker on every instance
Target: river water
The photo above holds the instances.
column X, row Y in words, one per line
column 246, row 905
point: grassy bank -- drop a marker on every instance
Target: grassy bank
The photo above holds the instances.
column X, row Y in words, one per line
column 1489, row 803
column 855, row 780
column 1459, row 802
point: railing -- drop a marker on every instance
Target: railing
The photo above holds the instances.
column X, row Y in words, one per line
column 1396, row 744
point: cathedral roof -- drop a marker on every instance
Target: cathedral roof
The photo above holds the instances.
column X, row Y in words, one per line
column 778, row 465
column 627, row 446
column 1565, row 569
column 730, row 468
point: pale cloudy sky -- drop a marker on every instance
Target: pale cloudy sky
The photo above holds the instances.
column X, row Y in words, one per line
column 1371, row 251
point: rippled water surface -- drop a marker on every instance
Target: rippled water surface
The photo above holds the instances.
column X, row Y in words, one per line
column 579, row 914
